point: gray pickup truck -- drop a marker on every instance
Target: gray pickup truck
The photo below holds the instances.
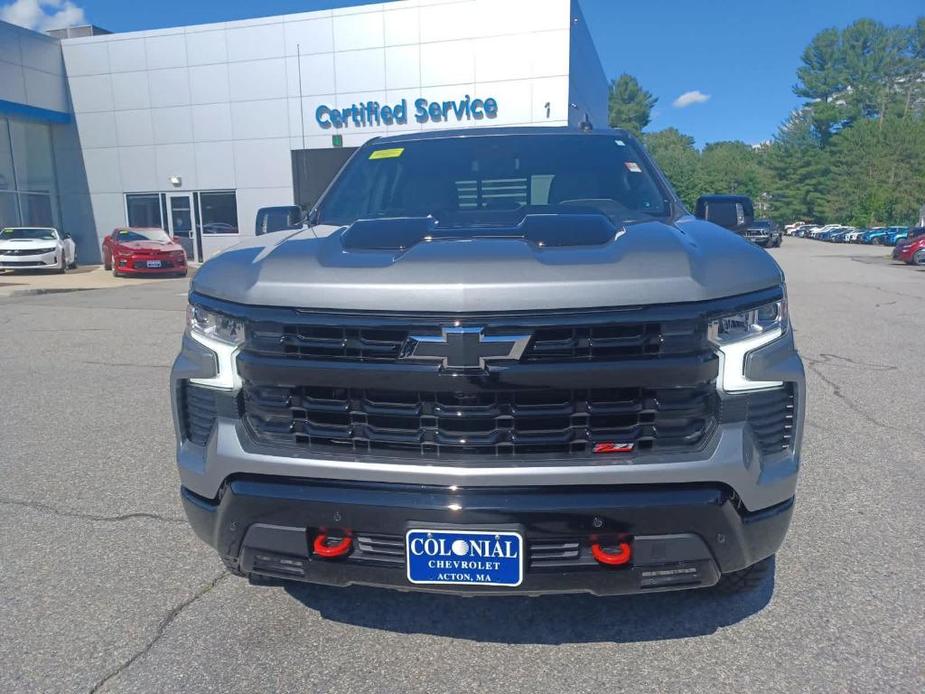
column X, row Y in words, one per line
column 495, row 360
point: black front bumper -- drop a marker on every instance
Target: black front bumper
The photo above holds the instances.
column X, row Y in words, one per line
column 684, row 536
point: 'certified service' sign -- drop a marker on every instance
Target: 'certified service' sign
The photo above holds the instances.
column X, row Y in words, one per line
column 371, row 113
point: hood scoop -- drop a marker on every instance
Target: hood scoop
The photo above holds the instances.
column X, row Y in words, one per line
column 542, row 230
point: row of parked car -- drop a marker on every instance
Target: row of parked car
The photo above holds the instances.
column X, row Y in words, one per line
column 126, row 251
column 836, row 233
column 908, row 243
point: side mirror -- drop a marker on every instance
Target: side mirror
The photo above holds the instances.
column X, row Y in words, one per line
column 296, row 217
column 734, row 214
column 270, row 219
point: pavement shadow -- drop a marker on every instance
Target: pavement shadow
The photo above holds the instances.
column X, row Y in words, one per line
column 79, row 270
column 547, row 620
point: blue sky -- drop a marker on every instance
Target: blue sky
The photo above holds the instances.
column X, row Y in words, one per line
column 742, row 55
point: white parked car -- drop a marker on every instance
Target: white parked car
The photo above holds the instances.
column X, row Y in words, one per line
column 36, row 248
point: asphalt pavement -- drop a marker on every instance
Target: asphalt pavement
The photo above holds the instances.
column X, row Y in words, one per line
column 103, row 587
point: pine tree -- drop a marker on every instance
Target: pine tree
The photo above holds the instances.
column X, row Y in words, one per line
column 630, row 105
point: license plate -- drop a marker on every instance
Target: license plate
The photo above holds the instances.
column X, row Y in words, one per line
column 154, row 263
column 464, row 557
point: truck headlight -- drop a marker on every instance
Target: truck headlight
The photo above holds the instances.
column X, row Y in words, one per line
column 738, row 334
column 221, row 334
column 214, row 325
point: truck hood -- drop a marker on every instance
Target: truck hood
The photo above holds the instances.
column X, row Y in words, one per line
column 644, row 263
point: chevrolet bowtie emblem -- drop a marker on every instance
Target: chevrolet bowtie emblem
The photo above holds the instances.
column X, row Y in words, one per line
column 459, row 349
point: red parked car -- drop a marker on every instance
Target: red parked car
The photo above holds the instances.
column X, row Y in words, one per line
column 131, row 251
column 913, row 253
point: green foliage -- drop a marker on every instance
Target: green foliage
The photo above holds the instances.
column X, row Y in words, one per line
column 853, row 154
column 795, row 166
column 630, row 105
column 731, row 167
column 865, row 71
column 677, row 156
column 877, row 172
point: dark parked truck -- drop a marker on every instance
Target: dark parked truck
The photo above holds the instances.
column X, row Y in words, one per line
column 503, row 360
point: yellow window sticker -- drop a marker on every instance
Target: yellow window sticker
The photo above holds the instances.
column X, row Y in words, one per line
column 393, row 153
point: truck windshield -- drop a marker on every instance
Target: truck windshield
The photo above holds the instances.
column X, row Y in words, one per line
column 496, row 180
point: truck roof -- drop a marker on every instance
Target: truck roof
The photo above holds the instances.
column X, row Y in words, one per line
column 497, row 131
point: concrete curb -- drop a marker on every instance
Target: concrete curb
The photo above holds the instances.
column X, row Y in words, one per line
column 38, row 291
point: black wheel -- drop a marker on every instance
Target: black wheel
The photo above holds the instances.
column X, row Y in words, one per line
column 73, row 264
column 746, row 580
column 877, row 241
column 919, row 258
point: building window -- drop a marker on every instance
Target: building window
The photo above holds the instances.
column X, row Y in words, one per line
column 32, row 156
column 9, row 212
column 219, row 213
column 7, row 180
column 28, row 191
column 144, row 210
column 37, row 210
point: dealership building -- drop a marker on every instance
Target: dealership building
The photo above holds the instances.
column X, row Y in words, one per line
column 194, row 128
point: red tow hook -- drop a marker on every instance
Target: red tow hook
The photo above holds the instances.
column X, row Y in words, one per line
column 338, row 549
column 614, row 555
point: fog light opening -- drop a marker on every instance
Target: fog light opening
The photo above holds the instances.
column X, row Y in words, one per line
column 330, row 547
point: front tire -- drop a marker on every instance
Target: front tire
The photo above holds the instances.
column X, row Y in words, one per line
column 919, row 258
column 746, row 580
column 877, row 241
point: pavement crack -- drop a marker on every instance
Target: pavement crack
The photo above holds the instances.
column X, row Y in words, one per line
column 162, row 627
column 814, row 365
column 892, row 293
column 48, row 508
column 833, row 359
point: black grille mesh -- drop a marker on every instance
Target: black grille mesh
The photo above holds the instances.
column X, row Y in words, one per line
column 770, row 414
column 549, row 344
column 197, row 412
column 515, row 422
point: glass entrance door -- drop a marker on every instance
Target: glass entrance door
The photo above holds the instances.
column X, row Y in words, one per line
column 180, row 222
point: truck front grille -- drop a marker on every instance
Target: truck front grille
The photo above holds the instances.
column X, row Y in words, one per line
column 490, row 422
column 591, row 341
column 354, row 385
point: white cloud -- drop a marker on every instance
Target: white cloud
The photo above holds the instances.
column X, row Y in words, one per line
column 690, row 98
column 43, row 15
